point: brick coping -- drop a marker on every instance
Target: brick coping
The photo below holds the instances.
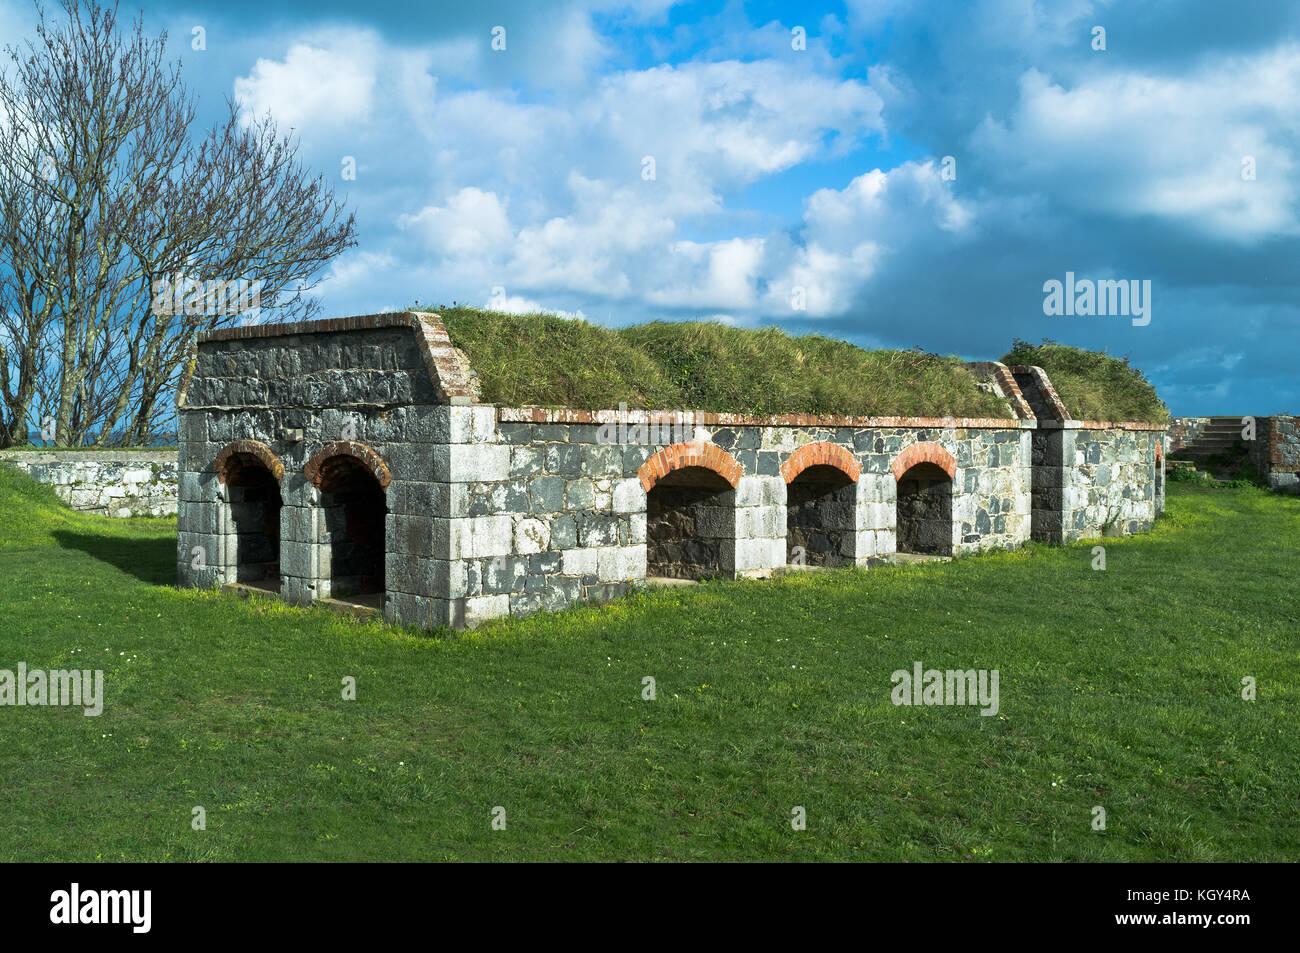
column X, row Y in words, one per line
column 568, row 415
column 1073, row 424
column 359, row 322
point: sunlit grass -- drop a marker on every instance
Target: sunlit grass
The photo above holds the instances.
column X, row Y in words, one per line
column 1119, row 689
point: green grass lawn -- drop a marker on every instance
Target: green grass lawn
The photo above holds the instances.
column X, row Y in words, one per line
column 1119, row 688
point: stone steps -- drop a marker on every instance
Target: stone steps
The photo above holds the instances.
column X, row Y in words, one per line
column 1219, row 436
column 1202, row 453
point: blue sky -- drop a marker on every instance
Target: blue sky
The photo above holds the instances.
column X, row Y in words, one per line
column 516, row 178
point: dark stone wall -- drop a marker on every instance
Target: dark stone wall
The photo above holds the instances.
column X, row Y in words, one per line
column 370, row 368
column 925, row 512
column 354, row 518
column 820, row 518
column 1048, row 491
column 255, row 516
column 688, row 530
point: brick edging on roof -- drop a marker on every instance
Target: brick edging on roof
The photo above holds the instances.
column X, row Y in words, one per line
column 569, row 415
column 358, row 322
column 1112, row 425
column 1045, row 387
column 1001, row 375
column 456, row 380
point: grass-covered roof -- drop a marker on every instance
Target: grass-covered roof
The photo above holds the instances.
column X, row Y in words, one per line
column 548, row 361
column 545, row 360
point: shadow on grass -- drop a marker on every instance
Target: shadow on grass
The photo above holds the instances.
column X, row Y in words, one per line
column 150, row 560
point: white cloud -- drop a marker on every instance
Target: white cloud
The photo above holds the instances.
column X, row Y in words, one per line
column 1131, row 144
column 721, row 274
column 583, row 219
column 472, row 223
column 884, row 203
column 731, row 122
column 517, row 304
column 848, row 232
column 324, row 83
column 548, row 199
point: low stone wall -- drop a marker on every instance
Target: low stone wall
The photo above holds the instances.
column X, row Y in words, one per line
column 1276, row 451
column 111, row 483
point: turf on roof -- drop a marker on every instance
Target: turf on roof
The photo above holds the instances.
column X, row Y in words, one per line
column 547, row 361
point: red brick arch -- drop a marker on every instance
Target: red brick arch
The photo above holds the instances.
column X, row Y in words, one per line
column 347, row 448
column 252, row 448
column 694, row 453
column 821, row 454
column 923, row 452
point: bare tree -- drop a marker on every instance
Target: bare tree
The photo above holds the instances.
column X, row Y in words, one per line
column 123, row 234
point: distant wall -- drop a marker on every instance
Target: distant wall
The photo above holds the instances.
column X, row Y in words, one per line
column 1183, row 430
column 1275, row 451
column 108, row 482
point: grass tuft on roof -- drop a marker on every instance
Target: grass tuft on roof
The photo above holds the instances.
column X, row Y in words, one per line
column 1091, row 384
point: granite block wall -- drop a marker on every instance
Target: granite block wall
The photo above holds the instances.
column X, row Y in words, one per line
column 542, row 515
column 1112, row 482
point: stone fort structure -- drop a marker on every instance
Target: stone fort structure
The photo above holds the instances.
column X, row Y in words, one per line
column 352, row 460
